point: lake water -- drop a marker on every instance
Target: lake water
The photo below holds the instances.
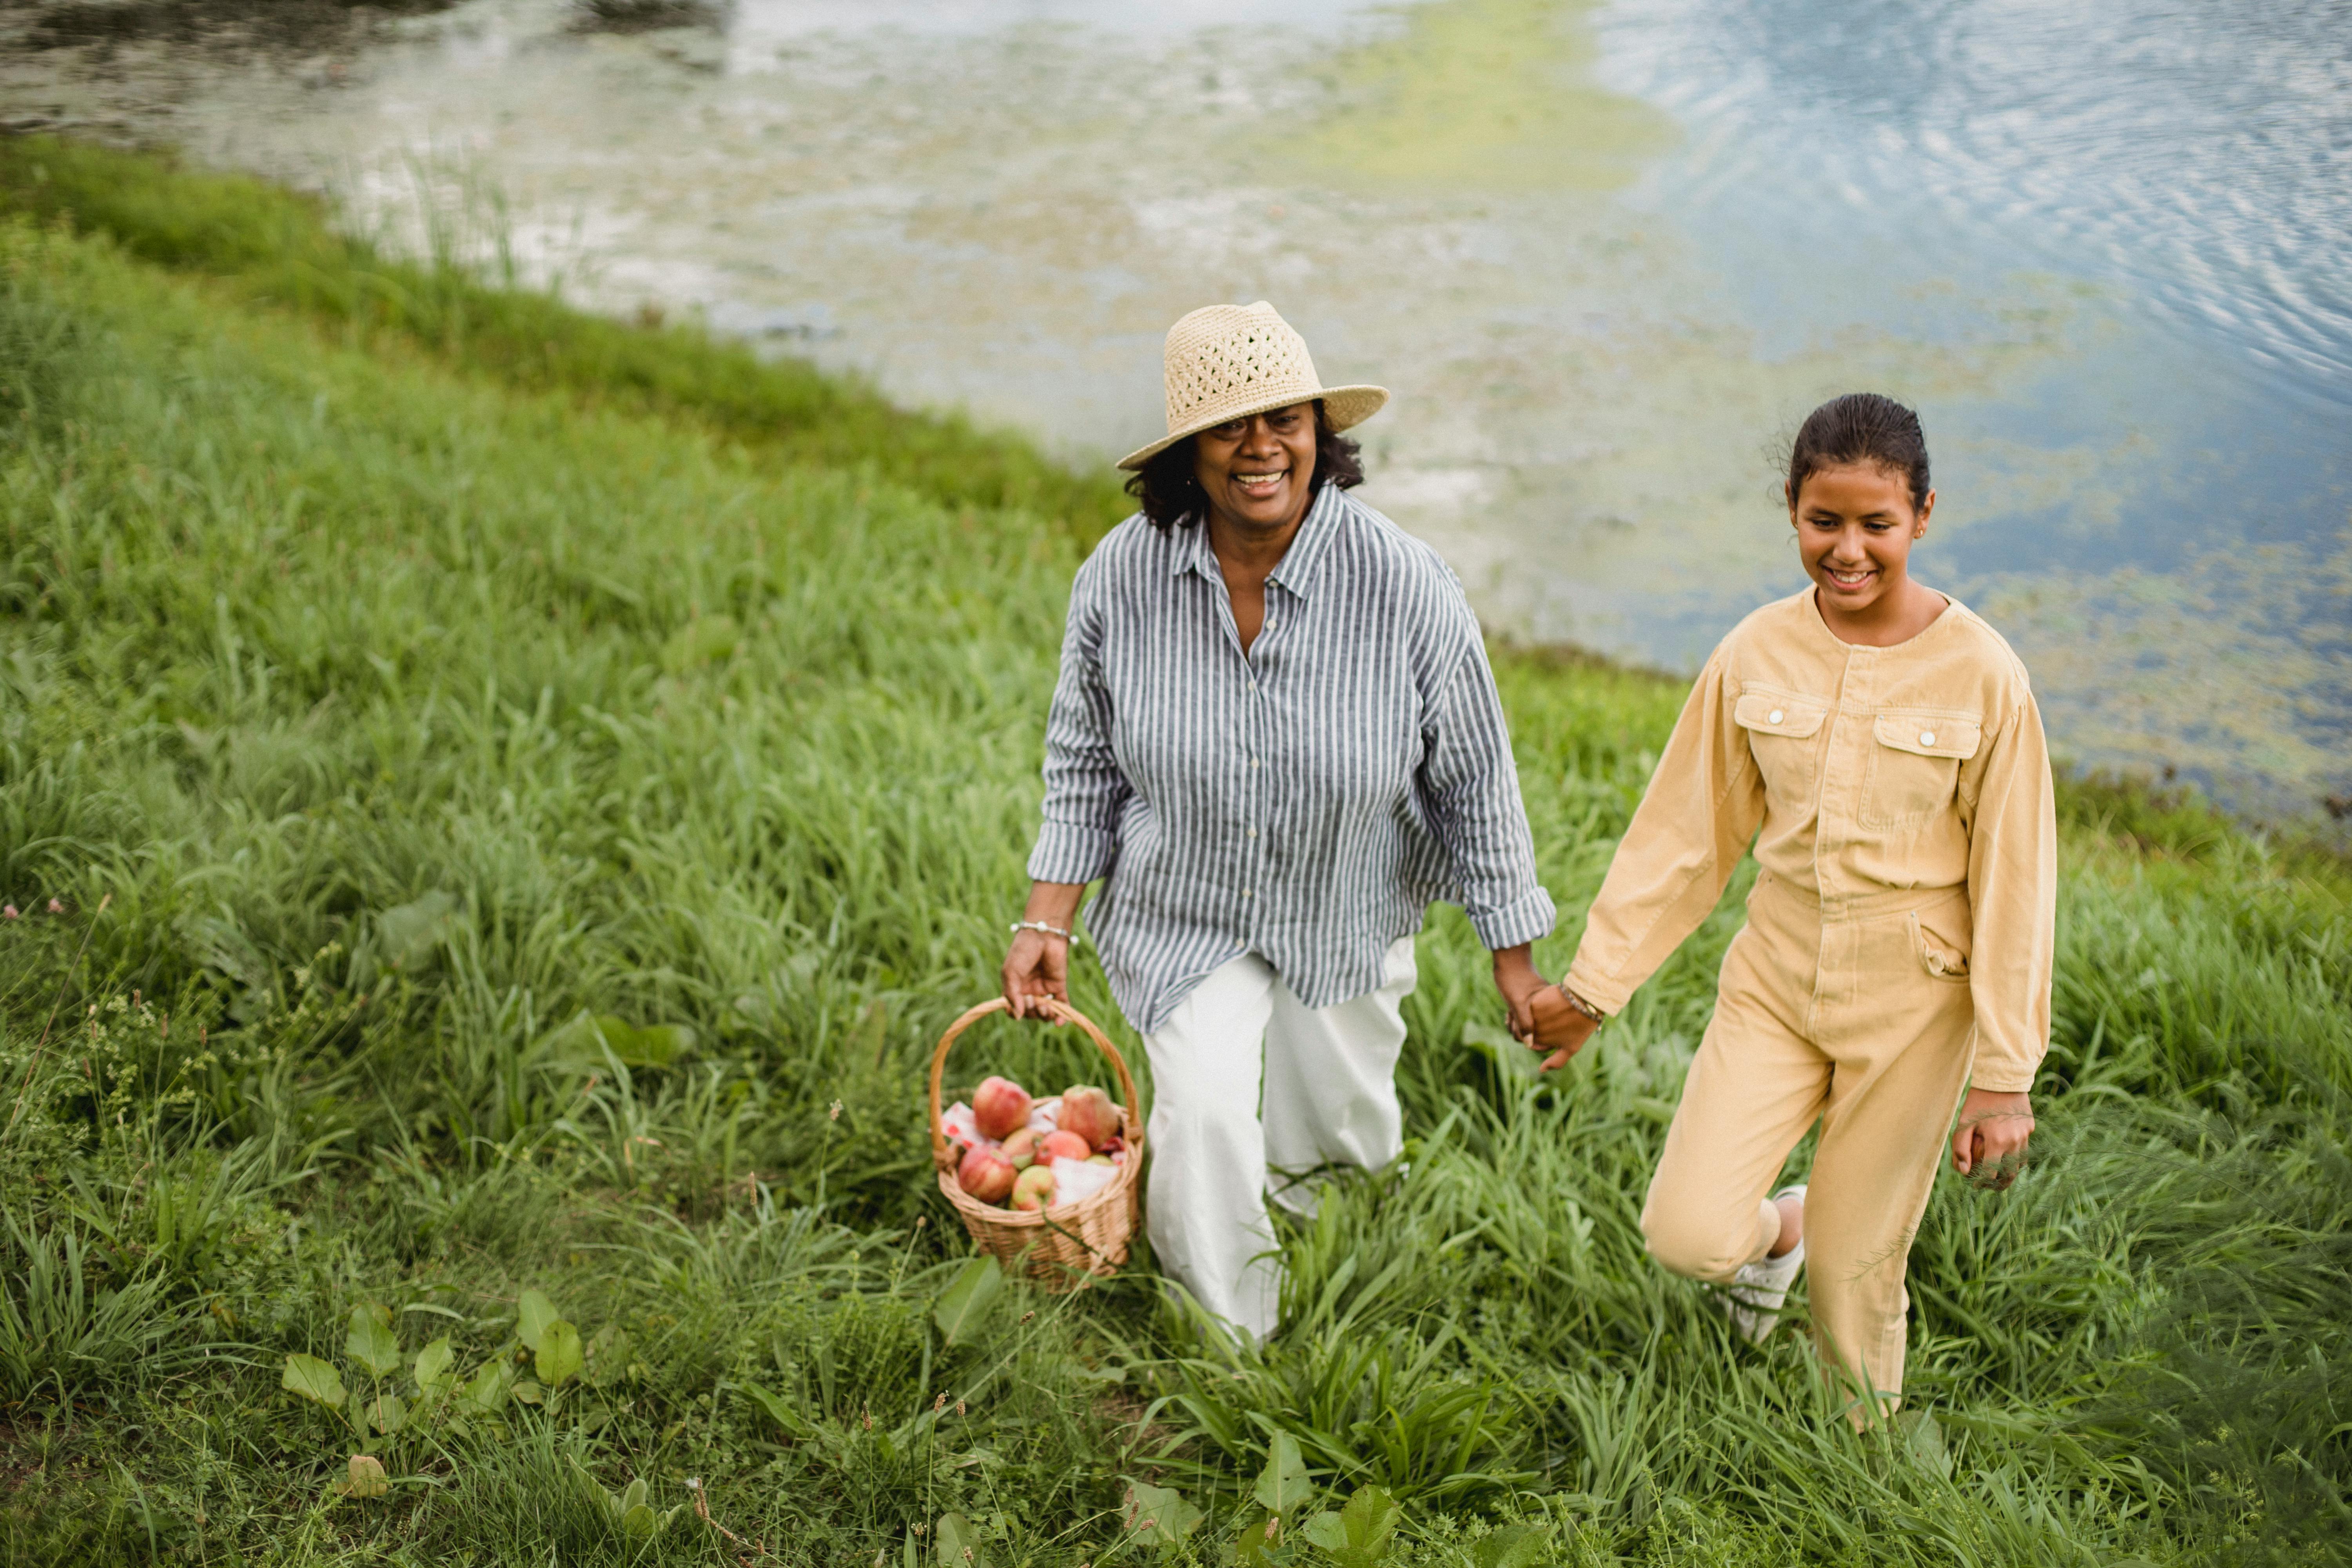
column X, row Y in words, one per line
column 1607, row 256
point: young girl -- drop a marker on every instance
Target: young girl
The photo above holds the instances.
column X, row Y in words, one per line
column 1897, row 950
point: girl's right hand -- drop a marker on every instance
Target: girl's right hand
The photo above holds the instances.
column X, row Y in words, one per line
column 1037, row 966
column 1551, row 1024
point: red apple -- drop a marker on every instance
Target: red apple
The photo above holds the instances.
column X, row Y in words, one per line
column 986, row 1175
column 1034, row 1189
column 1021, row 1149
column 1065, row 1145
column 1089, row 1113
column 1001, row 1107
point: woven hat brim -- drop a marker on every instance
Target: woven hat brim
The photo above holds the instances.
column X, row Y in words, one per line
column 1342, row 406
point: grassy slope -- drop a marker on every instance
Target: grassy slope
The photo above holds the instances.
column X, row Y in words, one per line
column 410, row 693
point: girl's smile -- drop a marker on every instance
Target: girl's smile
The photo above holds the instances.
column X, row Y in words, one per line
column 1855, row 525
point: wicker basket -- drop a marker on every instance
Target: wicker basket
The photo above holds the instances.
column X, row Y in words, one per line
column 1061, row 1248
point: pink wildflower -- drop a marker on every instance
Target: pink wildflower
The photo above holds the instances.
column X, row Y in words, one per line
column 55, row 908
column 9, row 911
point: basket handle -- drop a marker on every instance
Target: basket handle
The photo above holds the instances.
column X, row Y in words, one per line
column 1061, row 1013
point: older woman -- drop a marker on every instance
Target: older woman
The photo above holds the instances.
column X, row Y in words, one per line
column 1275, row 740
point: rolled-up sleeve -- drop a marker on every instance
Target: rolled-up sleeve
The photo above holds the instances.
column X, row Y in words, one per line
column 1470, row 790
column 1084, row 788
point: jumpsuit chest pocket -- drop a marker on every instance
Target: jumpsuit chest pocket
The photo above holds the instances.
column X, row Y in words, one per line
column 1784, row 737
column 1914, row 764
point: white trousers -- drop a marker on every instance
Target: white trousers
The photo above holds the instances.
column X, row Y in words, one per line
column 1251, row 1090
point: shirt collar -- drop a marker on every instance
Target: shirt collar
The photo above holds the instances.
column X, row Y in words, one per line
column 1297, row 569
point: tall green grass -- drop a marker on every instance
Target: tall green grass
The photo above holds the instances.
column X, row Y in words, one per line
column 516, row 824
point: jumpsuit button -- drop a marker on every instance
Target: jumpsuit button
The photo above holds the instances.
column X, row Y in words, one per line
column 1253, row 832
column 1774, row 717
column 1926, row 737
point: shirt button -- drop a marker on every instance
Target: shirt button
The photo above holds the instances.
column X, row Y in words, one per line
column 1245, row 892
column 1252, row 685
column 1252, row 833
column 1253, row 761
column 1774, row 717
column 1926, row 737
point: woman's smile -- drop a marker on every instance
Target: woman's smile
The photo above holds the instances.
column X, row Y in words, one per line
column 1258, row 472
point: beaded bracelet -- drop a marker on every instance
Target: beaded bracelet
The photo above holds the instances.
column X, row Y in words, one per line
column 1581, row 1005
column 1041, row 925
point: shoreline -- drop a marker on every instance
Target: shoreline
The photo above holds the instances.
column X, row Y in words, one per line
column 269, row 245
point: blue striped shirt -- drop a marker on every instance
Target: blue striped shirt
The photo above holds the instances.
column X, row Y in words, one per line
column 1306, row 801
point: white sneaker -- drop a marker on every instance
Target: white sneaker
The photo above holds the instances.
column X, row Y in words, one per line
column 1756, row 1293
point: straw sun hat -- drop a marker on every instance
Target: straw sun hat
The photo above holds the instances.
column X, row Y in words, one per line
column 1229, row 361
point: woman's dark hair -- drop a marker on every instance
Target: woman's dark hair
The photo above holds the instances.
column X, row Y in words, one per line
column 1861, row 428
column 1172, row 498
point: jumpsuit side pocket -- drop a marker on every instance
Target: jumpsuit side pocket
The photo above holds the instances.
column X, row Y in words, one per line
column 1942, row 957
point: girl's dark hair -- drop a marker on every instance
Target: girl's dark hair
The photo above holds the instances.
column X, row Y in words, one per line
column 1172, row 498
column 1861, row 428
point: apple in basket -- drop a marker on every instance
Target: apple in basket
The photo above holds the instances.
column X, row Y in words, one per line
column 1021, row 1149
column 986, row 1175
column 1034, row 1189
column 1065, row 1144
column 1089, row 1113
column 999, row 1106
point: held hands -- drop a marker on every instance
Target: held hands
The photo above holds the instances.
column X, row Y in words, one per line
column 1541, row 1018
column 1990, row 1146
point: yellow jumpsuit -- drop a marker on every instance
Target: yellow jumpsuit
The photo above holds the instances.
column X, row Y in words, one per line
column 1897, row 946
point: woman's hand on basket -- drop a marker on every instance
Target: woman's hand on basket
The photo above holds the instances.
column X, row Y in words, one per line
column 1038, row 963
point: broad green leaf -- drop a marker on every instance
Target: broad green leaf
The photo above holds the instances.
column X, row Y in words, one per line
column 433, row 1363
column 1326, row 1531
column 489, row 1386
column 371, row 1342
column 1159, row 1516
column 386, row 1414
column 314, row 1379
column 527, row 1391
column 365, row 1476
column 959, row 1543
column 559, row 1355
column 1282, row 1485
column 634, row 1494
column 1359, row 1535
column 533, row 1312
column 1259, row 1543
column 965, row 1302
column 639, row 1522
column 1512, row 1546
